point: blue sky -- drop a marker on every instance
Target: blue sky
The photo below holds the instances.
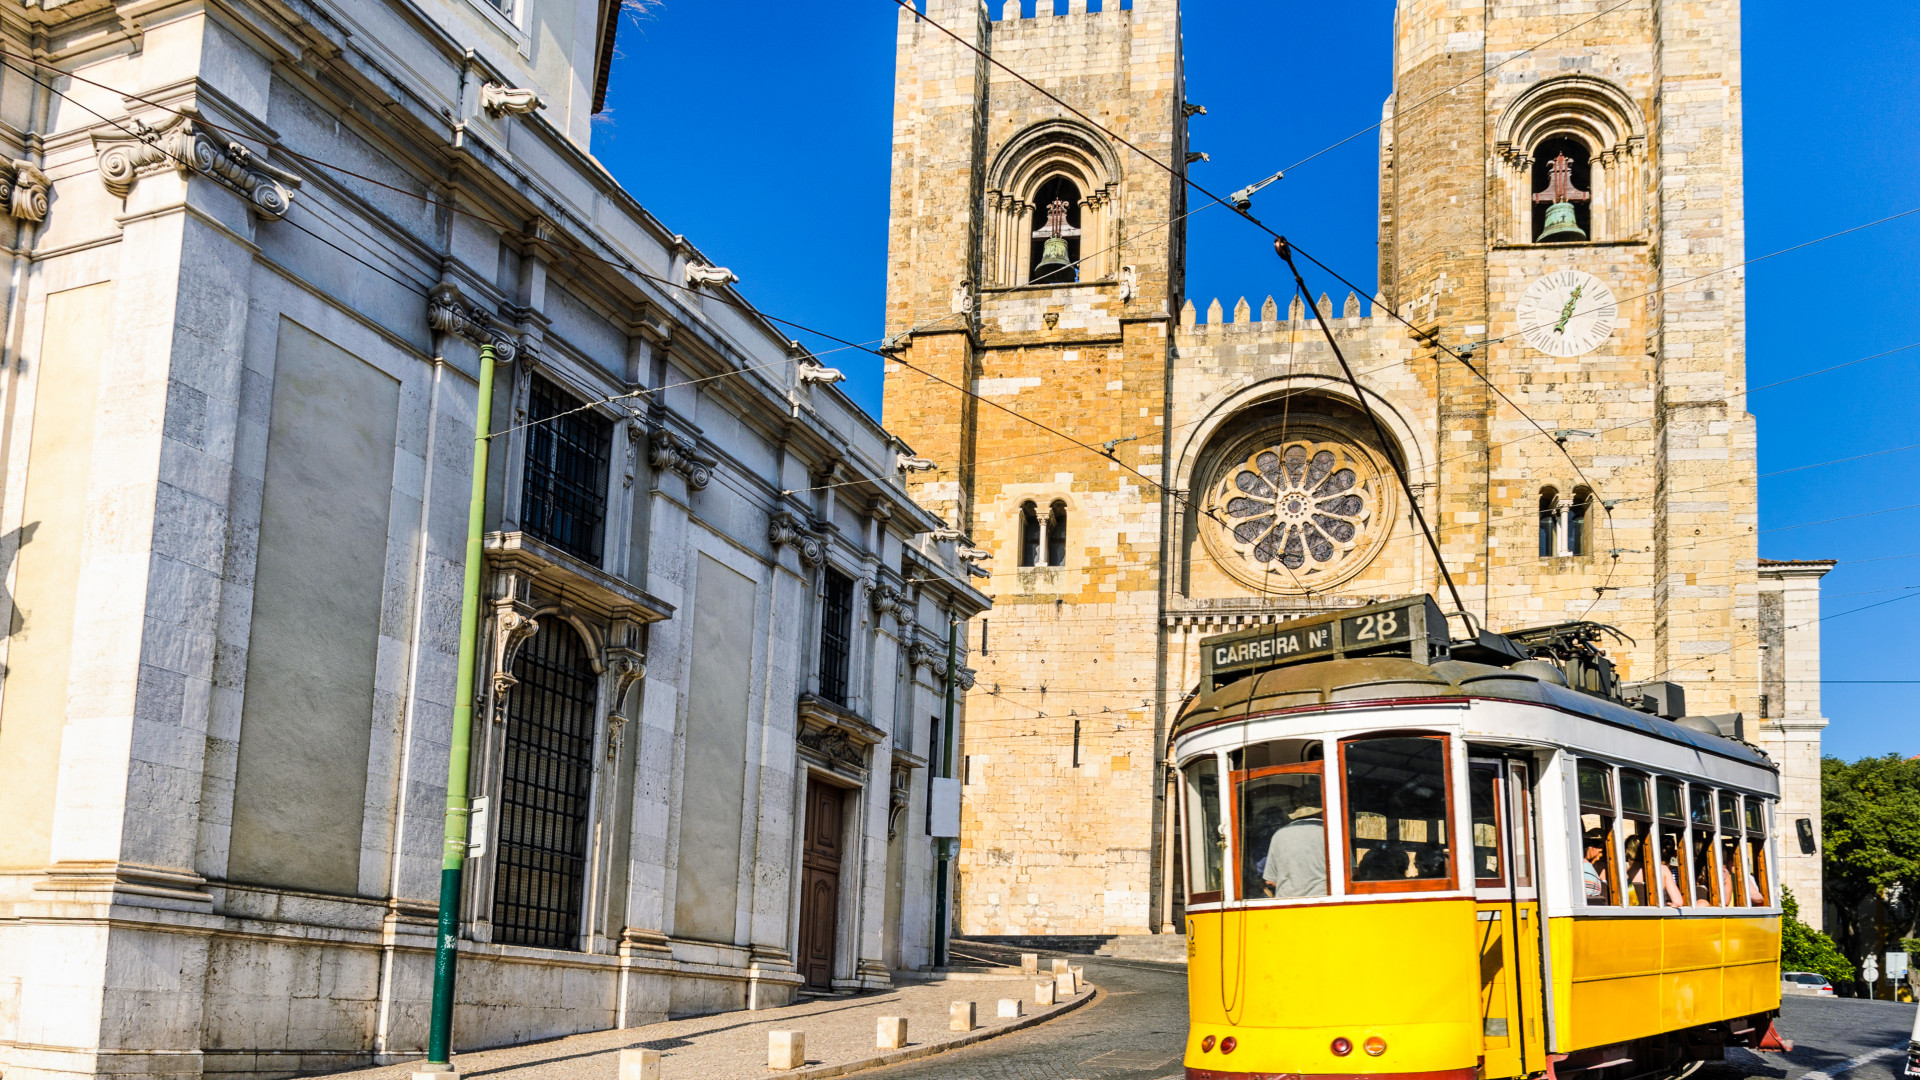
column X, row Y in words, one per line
column 761, row 130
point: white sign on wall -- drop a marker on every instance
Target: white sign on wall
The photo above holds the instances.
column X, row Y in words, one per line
column 943, row 794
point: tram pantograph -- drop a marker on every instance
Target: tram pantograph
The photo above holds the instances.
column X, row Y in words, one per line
column 1411, row 855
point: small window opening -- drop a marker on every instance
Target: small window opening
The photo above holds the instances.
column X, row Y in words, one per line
column 1580, row 522
column 1076, row 742
column 1549, row 523
column 1562, row 176
column 983, row 637
column 1055, row 256
column 1029, row 535
column 1057, row 534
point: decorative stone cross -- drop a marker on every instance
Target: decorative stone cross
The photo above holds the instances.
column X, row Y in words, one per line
column 1560, row 187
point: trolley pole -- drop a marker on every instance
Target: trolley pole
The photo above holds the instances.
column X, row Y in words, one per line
column 454, row 851
column 944, row 769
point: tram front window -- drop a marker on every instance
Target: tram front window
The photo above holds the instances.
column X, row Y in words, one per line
column 1205, row 841
column 1397, row 814
column 1281, row 814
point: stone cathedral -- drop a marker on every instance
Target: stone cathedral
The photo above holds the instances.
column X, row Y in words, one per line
column 1575, row 219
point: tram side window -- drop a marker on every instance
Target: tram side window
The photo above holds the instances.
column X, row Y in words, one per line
column 1733, row 878
column 1397, row 813
column 1636, row 839
column 1483, row 786
column 1757, row 866
column 1700, row 817
column 1280, row 811
column 1205, row 843
column 1599, row 877
column 1673, row 842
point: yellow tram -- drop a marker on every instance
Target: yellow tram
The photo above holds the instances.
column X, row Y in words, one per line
column 1410, row 856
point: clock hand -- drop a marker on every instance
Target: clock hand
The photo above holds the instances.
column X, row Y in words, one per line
column 1566, row 313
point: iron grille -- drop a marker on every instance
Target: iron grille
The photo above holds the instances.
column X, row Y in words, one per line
column 565, row 488
column 543, row 793
column 836, row 630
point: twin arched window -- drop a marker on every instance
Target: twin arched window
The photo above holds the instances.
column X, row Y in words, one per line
column 1566, row 524
column 1043, row 541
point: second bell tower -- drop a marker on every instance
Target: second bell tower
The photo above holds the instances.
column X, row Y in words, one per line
column 1036, row 262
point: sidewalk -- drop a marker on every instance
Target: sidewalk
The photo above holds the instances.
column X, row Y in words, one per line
column 733, row 1046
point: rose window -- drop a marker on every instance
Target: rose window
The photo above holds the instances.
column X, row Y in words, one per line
column 1303, row 505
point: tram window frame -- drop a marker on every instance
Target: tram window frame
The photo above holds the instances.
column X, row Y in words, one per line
column 1237, row 779
column 1209, row 834
column 1638, row 824
column 1520, row 788
column 1589, row 801
column 1490, row 770
column 1672, row 826
column 1703, row 886
column 1349, row 857
column 1759, row 860
column 1732, row 841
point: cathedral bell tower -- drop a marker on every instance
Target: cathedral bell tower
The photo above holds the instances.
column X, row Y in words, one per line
column 1036, row 262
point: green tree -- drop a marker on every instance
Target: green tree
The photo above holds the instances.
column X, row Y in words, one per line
column 1870, row 815
column 1802, row 948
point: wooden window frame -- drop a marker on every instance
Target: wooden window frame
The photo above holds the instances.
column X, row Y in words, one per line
column 1650, row 858
column 1236, row 777
column 1683, row 878
column 1451, row 883
column 1615, row 844
column 1215, row 896
column 1500, row 816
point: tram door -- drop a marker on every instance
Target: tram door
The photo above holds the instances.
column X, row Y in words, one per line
column 1512, row 996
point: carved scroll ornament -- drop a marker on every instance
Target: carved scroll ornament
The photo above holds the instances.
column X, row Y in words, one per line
column 783, row 528
column 450, row 313
column 125, row 156
column 26, row 188
column 511, row 629
column 885, row 599
column 834, row 745
column 668, row 452
column 501, row 100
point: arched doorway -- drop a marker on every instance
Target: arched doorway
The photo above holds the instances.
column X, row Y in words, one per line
column 546, row 780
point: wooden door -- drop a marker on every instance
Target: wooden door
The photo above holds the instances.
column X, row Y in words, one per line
column 820, row 883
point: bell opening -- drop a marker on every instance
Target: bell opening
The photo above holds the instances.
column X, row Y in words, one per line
column 1569, row 220
column 1055, row 259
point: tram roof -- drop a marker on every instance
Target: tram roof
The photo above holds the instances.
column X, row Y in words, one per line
column 1383, row 679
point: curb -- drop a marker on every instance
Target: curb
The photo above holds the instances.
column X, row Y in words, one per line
column 913, row 1053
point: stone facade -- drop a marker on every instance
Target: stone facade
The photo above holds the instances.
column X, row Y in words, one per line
column 1640, row 471
column 257, row 253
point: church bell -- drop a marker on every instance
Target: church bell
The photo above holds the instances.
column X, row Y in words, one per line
column 1562, row 225
column 1053, row 255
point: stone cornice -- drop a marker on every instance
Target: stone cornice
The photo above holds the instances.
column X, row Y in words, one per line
column 179, row 143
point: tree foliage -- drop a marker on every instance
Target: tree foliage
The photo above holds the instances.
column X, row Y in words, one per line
column 1870, row 816
column 1802, row 948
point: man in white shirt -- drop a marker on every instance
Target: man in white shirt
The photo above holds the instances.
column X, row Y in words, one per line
column 1297, row 855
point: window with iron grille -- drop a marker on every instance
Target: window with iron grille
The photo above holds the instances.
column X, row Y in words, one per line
column 564, row 498
column 836, row 637
column 547, row 773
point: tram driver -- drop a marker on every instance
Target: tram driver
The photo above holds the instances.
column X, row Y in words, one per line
column 1296, row 863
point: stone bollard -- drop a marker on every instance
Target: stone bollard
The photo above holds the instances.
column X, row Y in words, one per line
column 1029, row 963
column 1059, row 965
column 1079, row 975
column 639, row 1065
column 1012, row 1008
column 1043, row 993
column 1064, row 986
column 960, row 1016
column 892, row 1034
column 786, row 1049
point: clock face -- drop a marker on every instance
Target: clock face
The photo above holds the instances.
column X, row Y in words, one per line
column 1567, row 313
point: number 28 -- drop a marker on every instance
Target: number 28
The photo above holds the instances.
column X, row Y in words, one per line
column 1378, row 627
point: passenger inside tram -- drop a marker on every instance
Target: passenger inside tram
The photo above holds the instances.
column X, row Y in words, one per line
column 1671, row 871
column 1296, row 862
column 1593, row 871
column 1397, row 811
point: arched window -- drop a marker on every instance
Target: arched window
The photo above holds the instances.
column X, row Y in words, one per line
column 1580, row 522
column 1055, row 254
column 1029, row 535
column 1549, row 523
column 547, row 776
column 1053, row 160
column 1562, row 191
column 1057, row 534
column 1593, row 130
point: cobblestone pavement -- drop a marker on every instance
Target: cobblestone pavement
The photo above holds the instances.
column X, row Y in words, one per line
column 733, row 1046
column 1829, row 1035
column 1135, row 1031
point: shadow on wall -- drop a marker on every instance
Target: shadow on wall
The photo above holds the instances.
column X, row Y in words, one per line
column 10, row 546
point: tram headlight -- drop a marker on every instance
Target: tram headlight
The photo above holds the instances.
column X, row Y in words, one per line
column 1227, row 1044
column 1206, row 1044
column 1342, row 1046
column 1376, row 1045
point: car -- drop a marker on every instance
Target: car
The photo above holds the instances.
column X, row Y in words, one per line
column 1807, row 982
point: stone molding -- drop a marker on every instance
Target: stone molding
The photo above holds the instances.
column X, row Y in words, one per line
column 154, row 883
column 668, row 452
column 784, row 528
column 921, row 654
column 26, row 188
column 521, row 560
column 838, row 738
column 451, row 313
column 885, row 600
column 500, row 100
column 124, row 156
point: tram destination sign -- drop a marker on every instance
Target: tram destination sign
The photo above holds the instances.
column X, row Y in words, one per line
column 1413, row 628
